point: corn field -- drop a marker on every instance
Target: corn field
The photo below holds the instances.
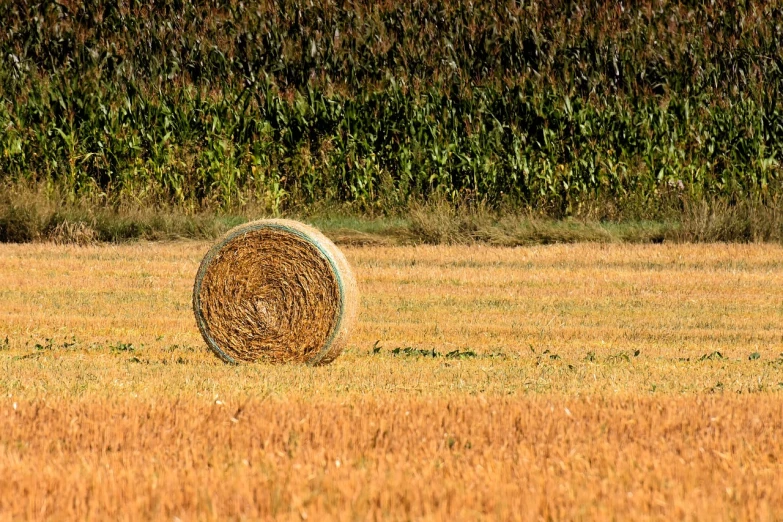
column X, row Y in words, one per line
column 553, row 106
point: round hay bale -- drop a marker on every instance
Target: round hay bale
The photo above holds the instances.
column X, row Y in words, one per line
column 275, row 290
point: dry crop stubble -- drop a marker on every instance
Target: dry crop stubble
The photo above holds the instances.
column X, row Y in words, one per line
column 399, row 458
column 111, row 407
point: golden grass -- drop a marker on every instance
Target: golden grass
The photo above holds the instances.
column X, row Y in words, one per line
column 596, row 390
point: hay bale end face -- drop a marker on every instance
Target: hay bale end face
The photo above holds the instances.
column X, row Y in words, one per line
column 275, row 290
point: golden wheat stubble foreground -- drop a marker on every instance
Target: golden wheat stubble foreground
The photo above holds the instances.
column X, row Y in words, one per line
column 110, row 408
column 275, row 290
column 684, row 458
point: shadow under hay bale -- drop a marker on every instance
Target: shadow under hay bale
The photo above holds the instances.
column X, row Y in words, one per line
column 278, row 291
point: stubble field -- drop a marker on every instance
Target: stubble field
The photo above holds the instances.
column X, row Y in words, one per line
column 549, row 382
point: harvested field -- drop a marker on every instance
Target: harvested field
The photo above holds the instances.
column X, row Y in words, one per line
column 550, row 382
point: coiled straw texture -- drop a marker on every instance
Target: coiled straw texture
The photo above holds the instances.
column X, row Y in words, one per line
column 275, row 290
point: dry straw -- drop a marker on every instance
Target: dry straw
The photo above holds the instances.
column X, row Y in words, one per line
column 275, row 290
